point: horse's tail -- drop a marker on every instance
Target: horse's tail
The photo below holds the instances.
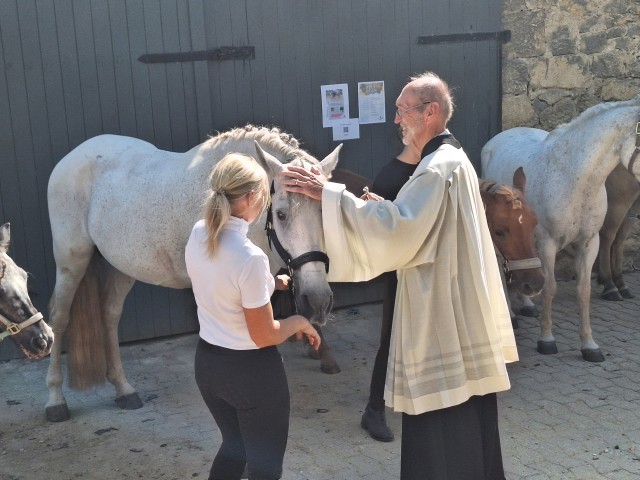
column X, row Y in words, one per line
column 86, row 356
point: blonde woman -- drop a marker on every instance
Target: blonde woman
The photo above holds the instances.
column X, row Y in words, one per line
column 238, row 368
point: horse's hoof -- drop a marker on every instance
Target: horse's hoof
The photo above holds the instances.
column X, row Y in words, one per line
column 547, row 348
column 514, row 323
column 626, row 293
column 58, row 413
column 329, row 368
column 529, row 311
column 129, row 402
column 593, row 355
column 611, row 295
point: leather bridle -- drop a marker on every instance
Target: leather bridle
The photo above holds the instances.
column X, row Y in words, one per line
column 291, row 263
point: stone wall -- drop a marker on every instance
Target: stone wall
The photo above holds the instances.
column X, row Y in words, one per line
column 565, row 56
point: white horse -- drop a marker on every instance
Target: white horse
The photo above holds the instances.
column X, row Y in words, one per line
column 19, row 319
column 566, row 172
column 121, row 210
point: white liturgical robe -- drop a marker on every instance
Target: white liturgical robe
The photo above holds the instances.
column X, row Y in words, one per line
column 452, row 333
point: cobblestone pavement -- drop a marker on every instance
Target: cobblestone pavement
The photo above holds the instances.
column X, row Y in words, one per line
column 562, row 419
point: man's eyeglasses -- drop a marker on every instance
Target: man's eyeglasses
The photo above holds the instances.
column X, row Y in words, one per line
column 400, row 113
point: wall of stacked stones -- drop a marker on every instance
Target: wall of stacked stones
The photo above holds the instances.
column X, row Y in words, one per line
column 565, row 56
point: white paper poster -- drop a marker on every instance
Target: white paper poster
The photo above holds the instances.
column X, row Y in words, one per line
column 371, row 102
column 348, row 129
column 335, row 104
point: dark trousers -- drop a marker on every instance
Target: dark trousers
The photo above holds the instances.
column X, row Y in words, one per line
column 379, row 374
column 248, row 396
column 455, row 443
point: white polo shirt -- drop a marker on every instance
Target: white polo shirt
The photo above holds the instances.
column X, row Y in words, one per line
column 237, row 276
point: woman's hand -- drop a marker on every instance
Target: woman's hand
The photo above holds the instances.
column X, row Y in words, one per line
column 282, row 282
column 313, row 337
column 299, row 180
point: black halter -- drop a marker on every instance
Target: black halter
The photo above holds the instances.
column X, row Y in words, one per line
column 291, row 263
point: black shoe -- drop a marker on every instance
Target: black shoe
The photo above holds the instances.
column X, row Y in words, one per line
column 374, row 422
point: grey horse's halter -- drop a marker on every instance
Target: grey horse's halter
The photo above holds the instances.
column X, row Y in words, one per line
column 12, row 327
column 636, row 152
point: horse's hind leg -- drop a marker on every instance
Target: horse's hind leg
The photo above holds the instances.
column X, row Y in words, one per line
column 117, row 287
column 608, row 234
column 617, row 258
column 69, row 273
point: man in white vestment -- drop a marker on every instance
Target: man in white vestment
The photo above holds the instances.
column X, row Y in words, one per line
column 452, row 334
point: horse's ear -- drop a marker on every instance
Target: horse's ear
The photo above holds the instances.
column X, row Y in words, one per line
column 330, row 161
column 519, row 179
column 5, row 237
column 268, row 161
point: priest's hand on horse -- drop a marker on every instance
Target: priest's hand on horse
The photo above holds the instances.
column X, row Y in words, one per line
column 299, row 180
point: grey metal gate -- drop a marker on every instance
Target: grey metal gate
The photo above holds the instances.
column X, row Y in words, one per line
column 73, row 69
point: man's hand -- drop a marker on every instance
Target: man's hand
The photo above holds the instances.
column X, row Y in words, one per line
column 299, row 180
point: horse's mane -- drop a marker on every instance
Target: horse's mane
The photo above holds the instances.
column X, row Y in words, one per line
column 510, row 193
column 271, row 137
column 590, row 113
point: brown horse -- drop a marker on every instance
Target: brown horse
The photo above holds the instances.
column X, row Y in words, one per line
column 512, row 223
column 622, row 192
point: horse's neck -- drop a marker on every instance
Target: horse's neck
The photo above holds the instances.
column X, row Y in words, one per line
column 594, row 147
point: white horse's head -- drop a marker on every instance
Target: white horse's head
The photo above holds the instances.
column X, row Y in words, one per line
column 297, row 223
column 19, row 319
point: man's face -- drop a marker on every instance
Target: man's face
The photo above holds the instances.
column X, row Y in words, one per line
column 409, row 116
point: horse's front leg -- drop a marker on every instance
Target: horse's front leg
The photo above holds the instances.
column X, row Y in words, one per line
column 547, row 342
column 118, row 286
column 56, row 409
column 585, row 257
column 328, row 364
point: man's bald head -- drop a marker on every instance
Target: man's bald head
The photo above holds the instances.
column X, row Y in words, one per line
column 430, row 87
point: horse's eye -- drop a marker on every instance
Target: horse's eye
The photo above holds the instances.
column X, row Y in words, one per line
column 281, row 215
column 500, row 233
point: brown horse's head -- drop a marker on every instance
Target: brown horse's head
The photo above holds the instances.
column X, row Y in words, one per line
column 512, row 223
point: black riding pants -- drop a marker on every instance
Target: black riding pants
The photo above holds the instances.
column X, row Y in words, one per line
column 248, row 396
